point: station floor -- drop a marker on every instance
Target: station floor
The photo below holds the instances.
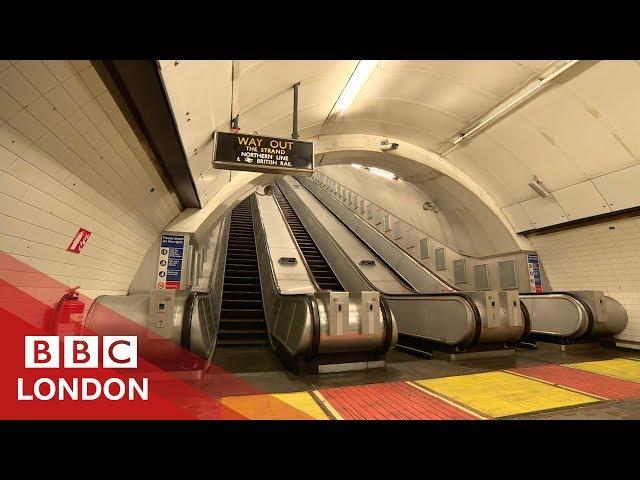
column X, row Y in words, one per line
column 602, row 383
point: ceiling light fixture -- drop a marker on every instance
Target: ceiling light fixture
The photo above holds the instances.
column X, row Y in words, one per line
column 515, row 101
column 358, row 79
column 383, row 173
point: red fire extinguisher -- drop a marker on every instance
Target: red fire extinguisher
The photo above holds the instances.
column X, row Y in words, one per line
column 66, row 318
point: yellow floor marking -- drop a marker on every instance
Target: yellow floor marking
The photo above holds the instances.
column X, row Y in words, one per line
column 446, row 400
column 280, row 406
column 304, row 402
column 554, row 384
column 499, row 394
column 619, row 368
column 320, row 398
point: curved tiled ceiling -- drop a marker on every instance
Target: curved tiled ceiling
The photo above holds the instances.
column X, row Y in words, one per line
column 572, row 136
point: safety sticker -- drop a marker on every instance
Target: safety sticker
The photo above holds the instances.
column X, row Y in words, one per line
column 535, row 279
column 170, row 262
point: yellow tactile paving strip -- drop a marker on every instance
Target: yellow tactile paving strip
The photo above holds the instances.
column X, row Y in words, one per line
column 501, row 394
column 277, row 406
column 304, row 402
column 620, row 368
column 489, row 394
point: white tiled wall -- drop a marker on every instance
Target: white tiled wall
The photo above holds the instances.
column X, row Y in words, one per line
column 69, row 159
column 605, row 256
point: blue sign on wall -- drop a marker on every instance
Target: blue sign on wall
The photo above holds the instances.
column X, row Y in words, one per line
column 170, row 262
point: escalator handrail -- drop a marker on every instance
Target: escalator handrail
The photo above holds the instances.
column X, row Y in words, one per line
column 477, row 318
column 293, row 237
column 187, row 316
column 585, row 305
column 352, row 262
column 440, row 279
column 311, row 301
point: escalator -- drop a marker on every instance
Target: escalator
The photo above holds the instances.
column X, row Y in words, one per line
column 450, row 322
column 319, row 267
column 242, row 320
column 555, row 317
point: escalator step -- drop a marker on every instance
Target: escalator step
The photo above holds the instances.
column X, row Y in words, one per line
column 241, row 295
column 242, row 313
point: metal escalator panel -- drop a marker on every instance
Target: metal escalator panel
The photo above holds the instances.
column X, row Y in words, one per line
column 241, row 316
column 319, row 267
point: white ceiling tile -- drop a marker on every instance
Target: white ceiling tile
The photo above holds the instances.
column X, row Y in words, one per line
column 620, row 188
column 6, row 205
column 12, row 140
column 62, row 101
column 107, row 129
column 8, row 106
column 404, row 132
column 80, row 121
column 65, row 132
column 72, row 161
column 429, row 89
column 567, row 123
column 273, row 76
column 6, row 158
column 493, row 77
column 38, row 157
column 25, row 212
column 545, row 160
column 581, row 200
column 61, row 69
column 45, row 112
column 419, row 116
column 16, row 85
column 543, row 211
column 78, row 90
column 617, row 107
column 38, row 75
column 94, row 111
column 23, row 171
column 11, row 186
column 80, row 65
column 27, row 125
column 93, row 81
column 51, row 144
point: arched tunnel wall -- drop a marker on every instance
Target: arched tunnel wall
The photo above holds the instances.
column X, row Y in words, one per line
column 69, row 160
column 461, row 223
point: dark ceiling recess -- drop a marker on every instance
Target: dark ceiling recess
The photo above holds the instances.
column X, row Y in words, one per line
column 138, row 90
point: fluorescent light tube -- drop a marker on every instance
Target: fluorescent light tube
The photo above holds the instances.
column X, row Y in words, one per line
column 359, row 77
column 383, row 173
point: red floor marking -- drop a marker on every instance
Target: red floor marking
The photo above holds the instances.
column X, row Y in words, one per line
column 587, row 382
column 390, row 401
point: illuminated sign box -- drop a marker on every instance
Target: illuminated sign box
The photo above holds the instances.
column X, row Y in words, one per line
column 253, row 153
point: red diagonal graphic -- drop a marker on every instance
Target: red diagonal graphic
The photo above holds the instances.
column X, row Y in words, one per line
column 25, row 297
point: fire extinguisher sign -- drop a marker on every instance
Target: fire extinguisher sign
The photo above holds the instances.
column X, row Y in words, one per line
column 79, row 240
column 170, row 262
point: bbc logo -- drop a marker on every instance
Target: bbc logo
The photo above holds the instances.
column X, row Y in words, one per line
column 81, row 351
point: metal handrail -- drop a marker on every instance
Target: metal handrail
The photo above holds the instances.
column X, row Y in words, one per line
column 217, row 272
column 424, row 267
column 353, row 264
column 308, row 298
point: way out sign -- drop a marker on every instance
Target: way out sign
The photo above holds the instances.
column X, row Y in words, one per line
column 79, row 241
column 253, row 153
